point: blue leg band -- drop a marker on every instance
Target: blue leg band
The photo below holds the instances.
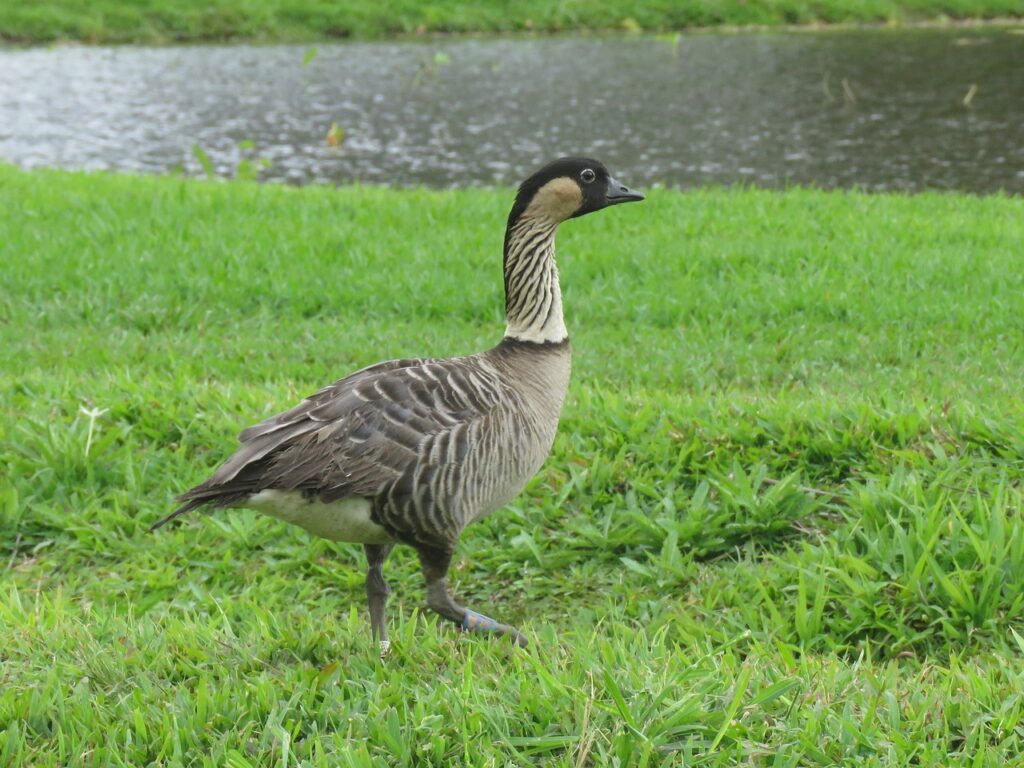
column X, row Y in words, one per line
column 477, row 622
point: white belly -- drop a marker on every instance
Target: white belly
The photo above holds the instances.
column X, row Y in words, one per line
column 342, row 520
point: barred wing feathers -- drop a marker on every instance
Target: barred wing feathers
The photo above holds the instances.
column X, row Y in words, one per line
column 356, row 437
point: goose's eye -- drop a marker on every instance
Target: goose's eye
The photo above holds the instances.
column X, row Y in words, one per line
column 587, row 175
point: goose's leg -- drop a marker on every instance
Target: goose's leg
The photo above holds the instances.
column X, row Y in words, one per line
column 377, row 591
column 435, row 563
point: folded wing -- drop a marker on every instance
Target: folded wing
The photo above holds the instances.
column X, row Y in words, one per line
column 355, row 437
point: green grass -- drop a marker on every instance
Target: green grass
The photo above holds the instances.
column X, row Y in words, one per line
column 782, row 524
column 160, row 21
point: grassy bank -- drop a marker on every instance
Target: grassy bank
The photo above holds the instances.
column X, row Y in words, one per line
column 160, row 21
column 782, row 522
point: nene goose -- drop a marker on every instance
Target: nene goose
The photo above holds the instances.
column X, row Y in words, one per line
column 412, row 451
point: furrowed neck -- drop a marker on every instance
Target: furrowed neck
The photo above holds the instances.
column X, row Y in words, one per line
column 533, row 298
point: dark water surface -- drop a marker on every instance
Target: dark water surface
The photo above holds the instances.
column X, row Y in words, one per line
column 881, row 109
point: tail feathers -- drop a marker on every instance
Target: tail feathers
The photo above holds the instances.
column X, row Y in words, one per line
column 186, row 507
column 198, row 497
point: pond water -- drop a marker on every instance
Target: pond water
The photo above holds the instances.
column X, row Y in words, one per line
column 878, row 109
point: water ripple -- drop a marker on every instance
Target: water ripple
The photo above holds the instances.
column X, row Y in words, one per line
column 879, row 109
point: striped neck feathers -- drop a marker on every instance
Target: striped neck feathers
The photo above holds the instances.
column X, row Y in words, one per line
column 533, row 298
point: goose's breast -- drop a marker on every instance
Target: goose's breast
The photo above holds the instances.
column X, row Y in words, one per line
column 516, row 441
column 508, row 462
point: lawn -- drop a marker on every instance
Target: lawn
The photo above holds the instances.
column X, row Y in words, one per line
column 781, row 526
column 162, row 21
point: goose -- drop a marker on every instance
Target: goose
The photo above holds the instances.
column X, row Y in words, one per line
column 412, row 451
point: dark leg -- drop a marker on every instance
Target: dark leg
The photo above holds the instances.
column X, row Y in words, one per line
column 377, row 591
column 435, row 564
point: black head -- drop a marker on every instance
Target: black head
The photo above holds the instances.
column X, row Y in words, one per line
column 569, row 187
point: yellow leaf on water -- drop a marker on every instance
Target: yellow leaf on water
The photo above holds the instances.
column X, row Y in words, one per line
column 335, row 135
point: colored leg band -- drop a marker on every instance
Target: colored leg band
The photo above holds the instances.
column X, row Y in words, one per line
column 477, row 622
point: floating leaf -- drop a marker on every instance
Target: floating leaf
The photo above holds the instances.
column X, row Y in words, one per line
column 441, row 58
column 335, row 135
column 308, row 56
column 970, row 95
